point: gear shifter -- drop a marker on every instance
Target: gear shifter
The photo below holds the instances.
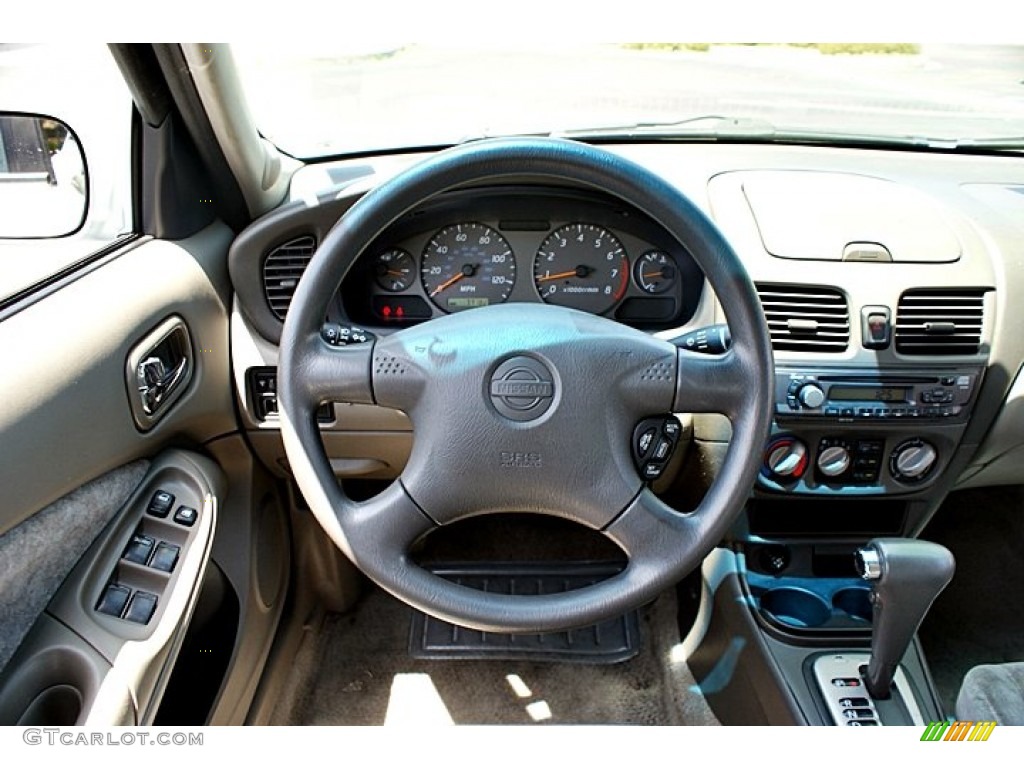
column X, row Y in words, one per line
column 906, row 576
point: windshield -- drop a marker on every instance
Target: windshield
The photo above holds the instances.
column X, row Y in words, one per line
column 314, row 101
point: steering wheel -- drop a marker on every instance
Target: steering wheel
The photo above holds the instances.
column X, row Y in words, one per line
column 523, row 407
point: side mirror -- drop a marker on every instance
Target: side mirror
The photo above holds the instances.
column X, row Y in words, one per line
column 44, row 183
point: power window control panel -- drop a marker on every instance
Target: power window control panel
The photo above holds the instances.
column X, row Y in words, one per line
column 165, row 521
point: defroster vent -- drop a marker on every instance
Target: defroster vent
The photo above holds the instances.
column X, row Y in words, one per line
column 281, row 272
column 806, row 318
column 940, row 321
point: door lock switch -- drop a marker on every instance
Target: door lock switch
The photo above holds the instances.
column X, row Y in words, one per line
column 186, row 516
column 161, row 503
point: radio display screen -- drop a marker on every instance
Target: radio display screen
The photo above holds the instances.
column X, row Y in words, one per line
column 870, row 394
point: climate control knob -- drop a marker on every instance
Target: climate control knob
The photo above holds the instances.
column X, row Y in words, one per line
column 912, row 460
column 811, row 396
column 833, row 461
column 786, row 458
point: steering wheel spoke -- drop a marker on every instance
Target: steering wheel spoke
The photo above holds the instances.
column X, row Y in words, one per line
column 711, row 383
column 326, row 373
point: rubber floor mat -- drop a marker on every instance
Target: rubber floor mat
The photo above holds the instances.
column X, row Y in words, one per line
column 608, row 642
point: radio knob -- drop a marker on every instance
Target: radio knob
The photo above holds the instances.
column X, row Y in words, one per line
column 913, row 460
column 811, row 396
column 786, row 457
column 833, row 461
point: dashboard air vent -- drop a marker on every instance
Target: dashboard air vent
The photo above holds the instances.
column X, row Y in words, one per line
column 281, row 272
column 805, row 318
column 940, row 321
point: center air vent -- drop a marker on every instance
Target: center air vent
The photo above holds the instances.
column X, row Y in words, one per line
column 940, row 321
column 281, row 272
column 805, row 319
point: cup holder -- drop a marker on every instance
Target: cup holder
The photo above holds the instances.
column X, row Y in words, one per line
column 854, row 602
column 796, row 607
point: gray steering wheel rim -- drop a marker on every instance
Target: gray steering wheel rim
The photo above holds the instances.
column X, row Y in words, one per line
column 662, row 545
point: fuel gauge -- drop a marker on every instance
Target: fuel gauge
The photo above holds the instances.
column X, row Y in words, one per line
column 655, row 272
column 394, row 270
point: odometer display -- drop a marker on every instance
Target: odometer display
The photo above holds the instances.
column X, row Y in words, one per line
column 582, row 266
column 467, row 265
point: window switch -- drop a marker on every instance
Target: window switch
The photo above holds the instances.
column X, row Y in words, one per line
column 142, row 607
column 165, row 557
column 186, row 516
column 160, row 504
column 139, row 549
column 113, row 600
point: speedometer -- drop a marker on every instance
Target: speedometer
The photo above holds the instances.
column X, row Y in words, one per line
column 582, row 266
column 467, row 265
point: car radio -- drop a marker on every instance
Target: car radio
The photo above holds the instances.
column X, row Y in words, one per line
column 848, row 394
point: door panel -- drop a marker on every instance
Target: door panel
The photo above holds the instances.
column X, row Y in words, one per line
column 72, row 454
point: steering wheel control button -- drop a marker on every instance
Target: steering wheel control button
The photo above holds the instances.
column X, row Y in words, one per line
column 663, row 450
column 161, row 503
column 522, row 388
column 165, row 557
column 141, row 608
column 113, row 600
column 643, row 445
column 654, row 442
column 139, row 549
column 186, row 516
column 345, row 335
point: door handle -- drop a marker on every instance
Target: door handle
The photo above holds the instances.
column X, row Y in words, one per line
column 158, row 370
column 156, row 381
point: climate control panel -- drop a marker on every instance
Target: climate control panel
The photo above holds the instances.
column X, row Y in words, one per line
column 866, row 463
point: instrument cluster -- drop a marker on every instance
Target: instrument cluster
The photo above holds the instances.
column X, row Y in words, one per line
column 567, row 248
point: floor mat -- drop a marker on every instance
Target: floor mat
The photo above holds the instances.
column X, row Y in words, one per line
column 609, row 642
column 359, row 672
column 979, row 618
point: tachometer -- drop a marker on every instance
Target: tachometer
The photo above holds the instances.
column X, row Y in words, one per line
column 582, row 266
column 467, row 265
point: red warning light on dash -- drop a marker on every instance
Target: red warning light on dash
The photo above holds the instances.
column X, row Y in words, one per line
column 397, row 309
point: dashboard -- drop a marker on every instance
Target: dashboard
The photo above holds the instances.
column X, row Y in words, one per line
column 486, row 247
column 886, row 277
